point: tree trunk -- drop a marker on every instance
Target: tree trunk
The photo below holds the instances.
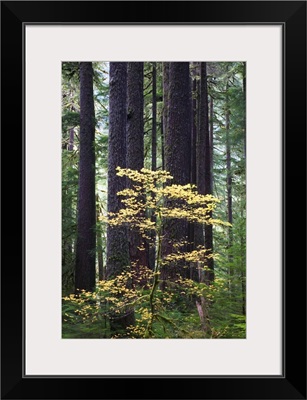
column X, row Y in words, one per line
column 211, row 139
column 71, row 139
column 154, row 119
column 117, row 236
column 117, row 242
column 209, row 275
column 195, row 95
column 101, row 269
column 178, row 139
column 177, row 157
column 199, row 157
column 203, row 235
column 86, row 236
column 68, row 262
column 135, row 151
column 194, row 121
column 162, row 141
column 152, row 248
column 165, row 68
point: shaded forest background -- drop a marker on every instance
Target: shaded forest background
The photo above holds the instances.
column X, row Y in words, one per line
column 177, row 268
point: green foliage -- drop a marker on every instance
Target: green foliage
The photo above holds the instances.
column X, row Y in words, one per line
column 83, row 318
column 70, row 119
column 159, row 313
column 70, row 159
column 89, row 314
column 226, row 88
column 155, row 315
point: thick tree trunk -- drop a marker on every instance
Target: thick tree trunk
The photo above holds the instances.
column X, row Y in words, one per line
column 135, row 151
column 135, row 124
column 86, row 236
column 117, row 241
column 177, row 158
column 178, row 139
column 117, row 237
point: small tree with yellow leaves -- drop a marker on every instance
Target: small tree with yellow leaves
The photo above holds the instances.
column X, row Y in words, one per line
column 148, row 203
column 144, row 210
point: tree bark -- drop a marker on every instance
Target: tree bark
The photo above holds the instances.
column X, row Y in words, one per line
column 154, row 119
column 195, row 95
column 194, row 121
column 67, row 246
column 135, row 151
column 117, row 236
column 177, row 157
column 162, row 141
column 203, row 235
column 211, row 139
column 165, row 68
column 152, row 248
column 71, row 139
column 86, row 236
column 101, row 269
column 117, row 241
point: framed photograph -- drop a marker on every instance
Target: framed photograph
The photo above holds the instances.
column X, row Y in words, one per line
column 109, row 100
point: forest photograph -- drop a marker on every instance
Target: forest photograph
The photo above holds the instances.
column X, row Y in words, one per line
column 154, row 200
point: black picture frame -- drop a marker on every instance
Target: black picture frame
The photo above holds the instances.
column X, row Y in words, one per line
column 292, row 16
